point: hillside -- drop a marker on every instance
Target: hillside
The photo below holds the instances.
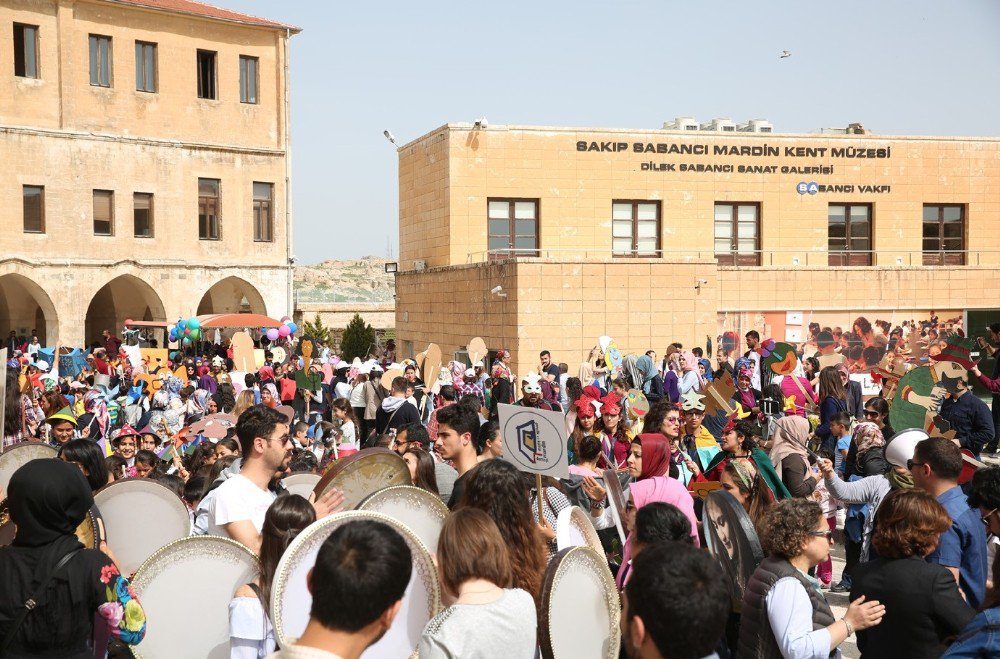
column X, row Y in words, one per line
column 362, row 281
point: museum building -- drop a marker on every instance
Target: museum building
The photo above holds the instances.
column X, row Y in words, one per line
column 146, row 165
column 549, row 237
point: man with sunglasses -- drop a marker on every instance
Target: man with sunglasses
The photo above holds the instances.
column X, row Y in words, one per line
column 935, row 466
column 243, row 499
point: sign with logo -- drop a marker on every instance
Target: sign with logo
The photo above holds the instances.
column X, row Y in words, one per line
column 534, row 440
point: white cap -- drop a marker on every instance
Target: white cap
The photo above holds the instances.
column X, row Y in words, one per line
column 902, row 445
column 470, row 373
column 42, row 365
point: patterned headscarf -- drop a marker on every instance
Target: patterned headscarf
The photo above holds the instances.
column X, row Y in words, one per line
column 173, row 385
column 746, row 471
column 867, row 436
column 94, row 403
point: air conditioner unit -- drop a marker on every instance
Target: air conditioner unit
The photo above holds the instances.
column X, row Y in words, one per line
column 419, row 265
column 756, row 126
column 721, row 124
column 681, row 123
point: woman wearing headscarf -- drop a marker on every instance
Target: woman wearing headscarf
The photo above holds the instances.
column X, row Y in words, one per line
column 206, row 381
column 269, row 395
column 867, row 451
column 648, row 463
column 68, row 584
column 95, row 420
column 651, row 383
column 746, row 395
column 265, row 374
column 691, row 380
column 789, row 455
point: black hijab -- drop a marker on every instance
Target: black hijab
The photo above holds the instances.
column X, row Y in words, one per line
column 47, row 500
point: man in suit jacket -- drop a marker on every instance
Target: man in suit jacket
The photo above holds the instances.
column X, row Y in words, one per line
column 852, row 390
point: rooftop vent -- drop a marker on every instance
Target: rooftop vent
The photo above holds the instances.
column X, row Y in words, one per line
column 681, row 123
column 756, row 126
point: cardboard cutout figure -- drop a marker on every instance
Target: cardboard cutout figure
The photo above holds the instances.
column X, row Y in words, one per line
column 243, row 358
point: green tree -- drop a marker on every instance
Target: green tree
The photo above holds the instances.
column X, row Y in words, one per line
column 357, row 340
column 317, row 330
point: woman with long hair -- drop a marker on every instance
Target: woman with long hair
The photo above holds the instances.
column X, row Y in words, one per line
column 496, row 488
column 832, row 399
column 225, row 397
column 13, row 423
column 737, row 444
column 421, row 466
column 350, row 426
column 489, row 443
column 244, row 401
column 476, row 569
column 740, row 479
column 613, row 433
column 89, row 457
column 250, row 632
column 586, row 419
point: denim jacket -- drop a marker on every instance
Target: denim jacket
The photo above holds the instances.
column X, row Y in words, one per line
column 980, row 639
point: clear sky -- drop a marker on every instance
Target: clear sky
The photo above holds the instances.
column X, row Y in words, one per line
column 920, row 67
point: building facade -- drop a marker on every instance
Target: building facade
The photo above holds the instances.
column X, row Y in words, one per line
column 146, row 165
column 655, row 236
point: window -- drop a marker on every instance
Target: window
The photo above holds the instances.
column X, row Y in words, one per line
column 944, row 234
column 513, row 227
column 100, row 60
column 206, row 74
column 104, row 212
column 849, row 231
column 263, row 215
column 25, row 51
column 635, row 228
column 248, row 79
column 145, row 66
column 737, row 234
column 208, row 208
column 34, row 208
column 142, row 214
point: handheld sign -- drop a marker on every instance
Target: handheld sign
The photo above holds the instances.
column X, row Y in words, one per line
column 534, row 440
column 476, row 350
column 243, row 358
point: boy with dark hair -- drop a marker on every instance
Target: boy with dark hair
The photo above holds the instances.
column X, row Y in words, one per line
column 357, row 587
column 840, row 430
column 670, row 576
column 457, row 428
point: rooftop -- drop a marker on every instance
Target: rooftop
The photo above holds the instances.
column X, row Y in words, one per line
column 206, row 11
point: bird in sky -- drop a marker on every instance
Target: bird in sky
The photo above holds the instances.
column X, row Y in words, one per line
column 785, row 53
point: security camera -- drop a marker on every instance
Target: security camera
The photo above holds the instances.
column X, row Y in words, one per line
column 496, row 290
column 389, row 136
column 702, row 281
column 482, row 123
column 293, row 259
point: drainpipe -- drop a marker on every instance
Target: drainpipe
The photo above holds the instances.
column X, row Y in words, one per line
column 288, row 183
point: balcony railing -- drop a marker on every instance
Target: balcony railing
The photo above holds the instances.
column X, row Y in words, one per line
column 761, row 257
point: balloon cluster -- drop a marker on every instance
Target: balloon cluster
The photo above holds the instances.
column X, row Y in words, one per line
column 186, row 331
column 286, row 329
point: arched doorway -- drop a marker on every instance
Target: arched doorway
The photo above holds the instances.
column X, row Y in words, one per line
column 25, row 307
column 232, row 295
column 121, row 298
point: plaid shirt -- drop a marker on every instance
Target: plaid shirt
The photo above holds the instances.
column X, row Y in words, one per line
column 463, row 389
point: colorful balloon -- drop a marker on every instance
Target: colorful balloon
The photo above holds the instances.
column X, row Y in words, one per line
column 284, row 331
column 195, row 334
column 182, row 323
column 292, row 328
column 194, row 323
column 272, row 334
column 284, row 318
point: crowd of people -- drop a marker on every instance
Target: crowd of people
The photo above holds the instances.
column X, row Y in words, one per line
column 806, row 456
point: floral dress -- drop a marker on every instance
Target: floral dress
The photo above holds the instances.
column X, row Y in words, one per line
column 121, row 610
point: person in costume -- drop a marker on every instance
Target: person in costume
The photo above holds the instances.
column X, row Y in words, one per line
column 125, row 444
column 586, row 418
column 737, row 444
column 531, row 386
column 696, row 440
column 748, row 397
column 62, row 427
column 615, row 437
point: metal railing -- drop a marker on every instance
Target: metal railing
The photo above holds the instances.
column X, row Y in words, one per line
column 813, row 258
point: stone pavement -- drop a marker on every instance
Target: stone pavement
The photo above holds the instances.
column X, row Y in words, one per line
column 839, row 601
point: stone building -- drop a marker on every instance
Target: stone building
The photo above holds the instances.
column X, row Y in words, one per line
column 547, row 238
column 146, row 165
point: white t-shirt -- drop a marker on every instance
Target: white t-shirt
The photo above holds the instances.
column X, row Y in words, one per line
column 342, row 390
column 349, row 435
column 358, row 395
column 239, row 499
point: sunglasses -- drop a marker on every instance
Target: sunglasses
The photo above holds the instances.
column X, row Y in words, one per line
column 822, row 534
column 910, row 464
column 986, row 518
column 871, row 413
